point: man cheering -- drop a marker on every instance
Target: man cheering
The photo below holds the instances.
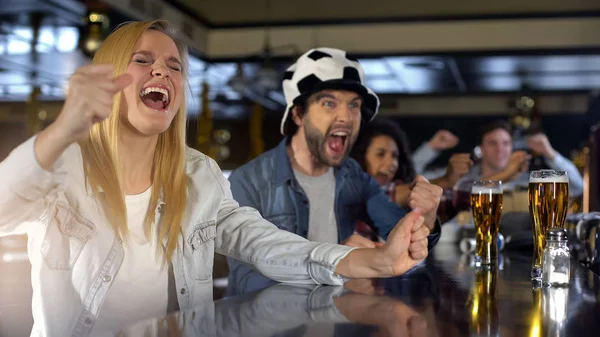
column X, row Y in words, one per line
column 307, row 184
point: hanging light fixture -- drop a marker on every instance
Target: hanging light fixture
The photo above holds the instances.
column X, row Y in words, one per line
column 267, row 78
column 239, row 82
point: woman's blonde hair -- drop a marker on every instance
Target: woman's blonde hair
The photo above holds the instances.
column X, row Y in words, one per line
column 101, row 150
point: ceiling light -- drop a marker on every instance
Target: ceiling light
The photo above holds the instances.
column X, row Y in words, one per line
column 238, row 82
column 268, row 79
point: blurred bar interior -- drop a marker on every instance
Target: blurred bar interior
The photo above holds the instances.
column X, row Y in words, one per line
column 436, row 65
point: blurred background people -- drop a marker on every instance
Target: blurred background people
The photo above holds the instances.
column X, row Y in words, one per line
column 427, row 152
column 499, row 162
column 383, row 151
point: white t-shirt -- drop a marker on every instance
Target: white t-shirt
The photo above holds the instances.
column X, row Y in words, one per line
column 140, row 290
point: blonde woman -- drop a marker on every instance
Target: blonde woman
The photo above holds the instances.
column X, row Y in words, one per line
column 123, row 219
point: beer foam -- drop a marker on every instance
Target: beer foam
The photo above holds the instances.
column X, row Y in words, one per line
column 486, row 190
column 551, row 179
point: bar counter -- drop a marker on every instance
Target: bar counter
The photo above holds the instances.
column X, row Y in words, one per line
column 445, row 296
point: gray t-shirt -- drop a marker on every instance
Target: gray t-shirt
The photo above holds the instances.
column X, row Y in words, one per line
column 322, row 225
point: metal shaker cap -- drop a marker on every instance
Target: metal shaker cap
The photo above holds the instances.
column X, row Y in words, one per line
column 557, row 234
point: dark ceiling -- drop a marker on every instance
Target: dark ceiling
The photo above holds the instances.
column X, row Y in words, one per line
column 463, row 73
column 248, row 13
column 482, row 73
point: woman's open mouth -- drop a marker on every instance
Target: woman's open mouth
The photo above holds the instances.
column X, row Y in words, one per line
column 155, row 97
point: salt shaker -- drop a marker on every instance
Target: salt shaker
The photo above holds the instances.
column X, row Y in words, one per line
column 556, row 259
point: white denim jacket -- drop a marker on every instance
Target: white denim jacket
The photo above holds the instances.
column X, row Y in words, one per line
column 75, row 254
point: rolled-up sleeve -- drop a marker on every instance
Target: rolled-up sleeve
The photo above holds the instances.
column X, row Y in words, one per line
column 323, row 261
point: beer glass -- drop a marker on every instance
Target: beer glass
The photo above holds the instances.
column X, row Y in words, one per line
column 548, row 203
column 486, row 204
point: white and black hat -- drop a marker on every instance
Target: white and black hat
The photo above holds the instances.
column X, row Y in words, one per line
column 321, row 69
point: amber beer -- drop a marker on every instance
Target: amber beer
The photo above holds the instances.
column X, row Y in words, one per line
column 548, row 203
column 486, row 204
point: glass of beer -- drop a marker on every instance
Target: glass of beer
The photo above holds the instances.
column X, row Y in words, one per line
column 548, row 203
column 486, row 203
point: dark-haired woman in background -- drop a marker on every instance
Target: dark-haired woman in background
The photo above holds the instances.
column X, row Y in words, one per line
column 383, row 151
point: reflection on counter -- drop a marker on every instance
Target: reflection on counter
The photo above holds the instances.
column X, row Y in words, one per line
column 467, row 261
column 482, row 303
column 293, row 311
column 554, row 311
column 549, row 317
column 445, row 296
